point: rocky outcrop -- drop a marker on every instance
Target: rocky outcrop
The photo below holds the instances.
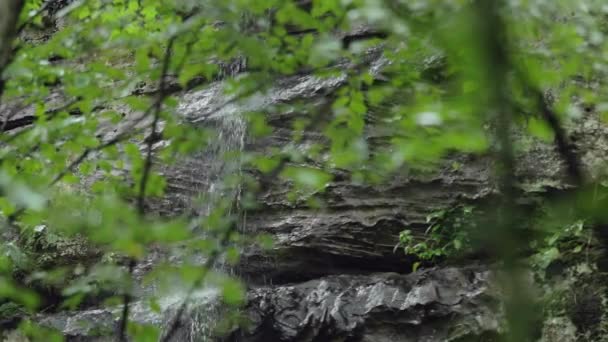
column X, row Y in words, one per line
column 439, row 304
column 449, row 304
column 333, row 273
column 358, row 226
column 325, row 262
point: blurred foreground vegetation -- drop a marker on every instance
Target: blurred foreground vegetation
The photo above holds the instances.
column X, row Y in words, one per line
column 481, row 78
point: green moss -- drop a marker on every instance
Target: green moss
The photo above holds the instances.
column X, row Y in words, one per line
column 578, row 296
column 11, row 310
column 47, row 263
column 48, row 250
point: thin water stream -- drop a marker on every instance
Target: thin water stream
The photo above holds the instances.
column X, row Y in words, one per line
column 201, row 183
column 209, row 107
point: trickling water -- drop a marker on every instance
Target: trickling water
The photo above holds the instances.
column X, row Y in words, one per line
column 202, row 176
column 203, row 306
column 210, row 108
column 199, row 318
column 220, row 159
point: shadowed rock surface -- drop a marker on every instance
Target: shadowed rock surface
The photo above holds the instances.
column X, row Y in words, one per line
column 433, row 305
column 439, row 304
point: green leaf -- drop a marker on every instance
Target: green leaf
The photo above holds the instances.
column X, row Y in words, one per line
column 308, row 177
column 154, row 306
column 540, row 129
column 144, row 332
column 233, row 292
column 20, row 194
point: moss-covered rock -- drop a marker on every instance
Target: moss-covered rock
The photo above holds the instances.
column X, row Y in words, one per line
column 559, row 329
column 49, row 249
column 576, row 305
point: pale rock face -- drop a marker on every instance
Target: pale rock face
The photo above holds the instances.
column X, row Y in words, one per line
column 325, row 279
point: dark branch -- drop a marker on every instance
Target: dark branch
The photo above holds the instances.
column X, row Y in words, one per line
column 33, row 17
column 71, row 167
column 157, row 110
column 145, row 176
column 562, row 143
column 8, row 33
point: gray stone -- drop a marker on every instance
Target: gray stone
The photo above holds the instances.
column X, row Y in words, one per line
column 441, row 304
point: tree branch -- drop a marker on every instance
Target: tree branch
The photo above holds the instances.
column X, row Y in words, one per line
column 564, row 147
column 10, row 11
column 504, row 238
column 32, row 17
column 129, row 132
column 145, row 176
column 157, row 110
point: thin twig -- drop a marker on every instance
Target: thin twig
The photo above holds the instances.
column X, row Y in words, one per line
column 31, row 18
column 124, row 318
column 213, row 258
column 562, row 143
column 71, row 166
column 157, row 110
column 145, row 176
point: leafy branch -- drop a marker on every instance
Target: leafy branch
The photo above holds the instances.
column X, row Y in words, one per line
column 157, row 108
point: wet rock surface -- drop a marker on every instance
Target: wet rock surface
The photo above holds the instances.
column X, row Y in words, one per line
column 439, row 304
column 442, row 304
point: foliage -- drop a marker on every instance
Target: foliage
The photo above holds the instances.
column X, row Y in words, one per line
column 565, row 243
column 91, row 106
column 446, row 236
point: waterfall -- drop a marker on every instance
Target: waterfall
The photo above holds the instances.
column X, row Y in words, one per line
column 211, row 108
column 220, row 159
column 203, row 307
column 199, row 176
